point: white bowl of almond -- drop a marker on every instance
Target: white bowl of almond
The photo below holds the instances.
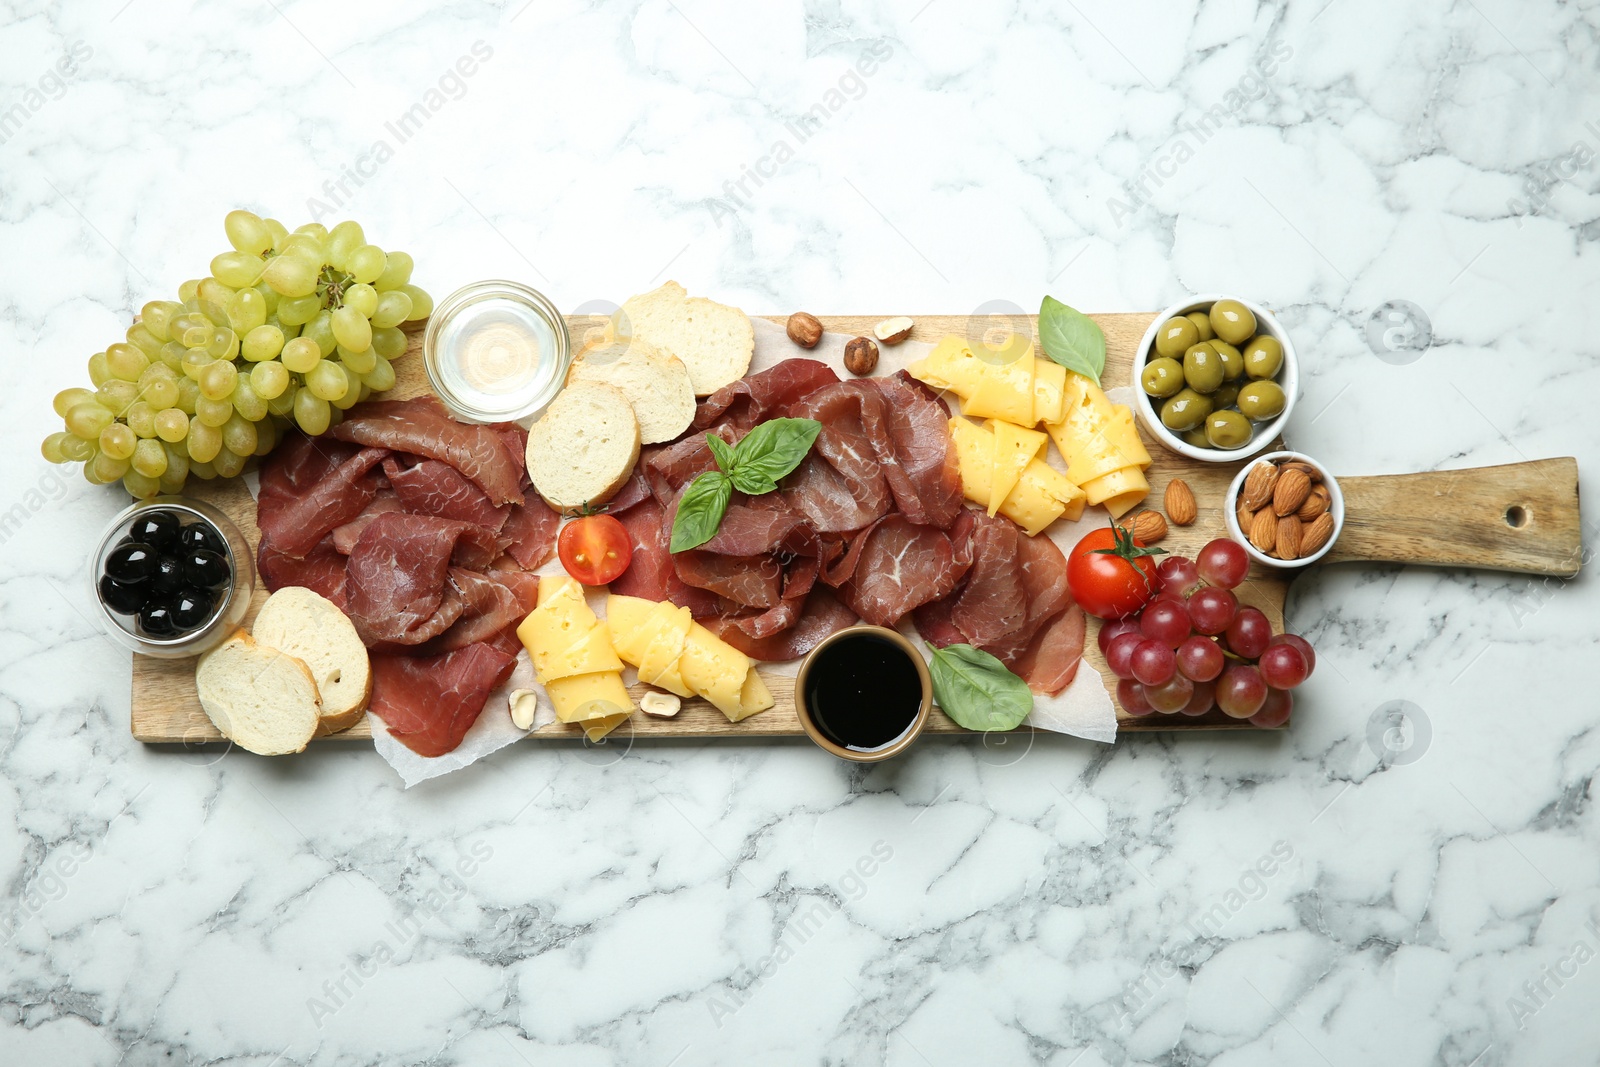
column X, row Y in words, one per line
column 1285, row 509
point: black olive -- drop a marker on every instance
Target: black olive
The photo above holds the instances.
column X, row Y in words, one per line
column 191, row 608
column 168, row 577
column 204, row 568
column 156, row 620
column 198, row 535
column 131, row 563
column 158, row 529
column 122, row 599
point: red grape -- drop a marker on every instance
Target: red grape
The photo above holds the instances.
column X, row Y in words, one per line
column 1153, row 662
column 1200, row 659
column 1249, row 633
column 1223, row 563
column 1130, row 695
column 1172, row 697
column 1202, row 700
column 1275, row 710
column 1119, row 657
column 1178, row 574
column 1240, row 691
column 1115, row 628
column 1212, row 609
column 1282, row 666
column 1302, row 644
column 1165, row 621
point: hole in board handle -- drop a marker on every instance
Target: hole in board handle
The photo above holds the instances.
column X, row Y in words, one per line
column 1516, row 516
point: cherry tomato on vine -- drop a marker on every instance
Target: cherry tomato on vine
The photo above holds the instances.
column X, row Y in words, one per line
column 1111, row 574
column 595, row 549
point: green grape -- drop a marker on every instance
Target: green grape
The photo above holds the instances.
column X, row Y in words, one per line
column 352, row 389
column 204, row 441
column 238, row 270
column 343, row 239
column 213, row 297
column 366, row 390
column 172, row 354
column 362, row 297
column 351, row 329
column 298, row 310
column 195, row 361
column 117, row 441
column 290, row 275
column 157, row 318
column 140, row 487
column 228, row 464
column 213, row 412
column 89, row 474
column 109, row 468
column 396, row 272
column 366, row 263
column 277, row 229
column 421, row 303
column 51, row 448
column 306, row 248
column 301, row 354
column 142, row 339
column 150, row 459
column 266, row 436
column 187, row 291
column 77, row 450
column 142, row 417
column 188, row 394
column 204, row 471
column 239, row 435
column 177, row 461
column 218, row 379
column 269, row 379
column 246, row 311
column 289, row 332
column 223, row 343
column 315, row 230
column 126, row 362
column 389, row 342
column 381, row 377
column 263, row 342
column 99, row 373
column 184, row 321
column 269, row 296
column 312, row 412
column 170, row 484
column 67, row 399
column 172, row 425
column 358, row 362
column 159, row 385
column 320, row 330
column 327, row 380
column 393, row 308
column 197, row 336
column 246, row 232
column 282, row 405
column 117, row 396
column 246, row 402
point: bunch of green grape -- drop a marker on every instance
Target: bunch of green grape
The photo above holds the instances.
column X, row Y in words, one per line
column 289, row 329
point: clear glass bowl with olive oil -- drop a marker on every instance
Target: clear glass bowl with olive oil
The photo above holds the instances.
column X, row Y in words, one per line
column 496, row 351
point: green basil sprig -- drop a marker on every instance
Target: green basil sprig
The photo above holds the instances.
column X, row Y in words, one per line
column 1072, row 339
column 753, row 467
column 977, row 691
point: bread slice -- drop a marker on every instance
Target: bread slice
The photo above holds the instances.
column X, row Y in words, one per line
column 583, row 448
column 656, row 383
column 313, row 630
column 263, row 700
column 714, row 341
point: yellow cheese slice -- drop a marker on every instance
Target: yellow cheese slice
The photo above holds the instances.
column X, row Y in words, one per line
column 945, row 366
column 1049, row 390
column 559, row 587
column 1096, row 437
column 595, row 729
column 562, row 636
column 659, row 664
column 1119, row 490
column 754, row 696
column 1041, row 496
column 589, row 696
column 1014, row 448
column 1002, row 391
column 715, row 670
column 624, row 616
column 975, row 456
column 1125, row 436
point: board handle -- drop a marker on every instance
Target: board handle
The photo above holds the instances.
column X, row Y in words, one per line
column 1517, row 517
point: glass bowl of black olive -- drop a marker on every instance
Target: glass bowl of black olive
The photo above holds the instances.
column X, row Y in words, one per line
column 173, row 577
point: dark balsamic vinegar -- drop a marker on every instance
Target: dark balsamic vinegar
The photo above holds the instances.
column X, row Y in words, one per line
column 863, row 692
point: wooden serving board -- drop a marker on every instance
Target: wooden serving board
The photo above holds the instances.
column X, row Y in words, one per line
column 1521, row 517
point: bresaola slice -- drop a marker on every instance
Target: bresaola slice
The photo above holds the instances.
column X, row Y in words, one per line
column 760, row 396
column 297, row 510
column 902, row 567
column 925, row 476
column 422, row 427
column 430, row 702
column 428, row 487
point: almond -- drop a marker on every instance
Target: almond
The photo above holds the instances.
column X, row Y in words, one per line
column 1316, row 503
column 1246, row 517
column 893, row 331
column 1316, row 534
column 1264, row 530
column 1148, row 526
column 1288, row 546
column 1180, row 503
column 1256, row 492
column 1291, row 491
column 1302, row 466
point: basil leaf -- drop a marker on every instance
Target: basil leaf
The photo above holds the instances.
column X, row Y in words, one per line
column 700, row 510
column 722, row 452
column 1072, row 339
column 752, row 482
column 775, row 448
column 977, row 691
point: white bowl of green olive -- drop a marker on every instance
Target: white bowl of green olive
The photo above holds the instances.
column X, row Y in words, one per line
column 1217, row 378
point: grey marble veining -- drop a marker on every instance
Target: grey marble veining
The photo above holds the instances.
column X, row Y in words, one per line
column 1408, row 876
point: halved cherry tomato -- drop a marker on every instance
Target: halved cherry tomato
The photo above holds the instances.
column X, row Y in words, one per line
column 1111, row 574
column 595, row 549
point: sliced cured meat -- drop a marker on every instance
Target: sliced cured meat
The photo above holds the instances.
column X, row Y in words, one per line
column 428, row 487
column 299, row 462
column 295, row 512
column 993, row 604
column 396, row 589
column 798, row 582
column 935, row 626
column 346, row 536
column 754, row 581
column 1051, row 660
column 651, row 574
column 819, row 493
column 762, row 395
column 421, row 426
column 531, row 529
column 753, row 531
column 670, row 468
column 902, row 566
column 430, row 702
column 925, row 476
column 822, row 615
column 488, row 607
column 855, row 443
column 840, row 566
column 1044, row 576
column 636, row 489
column 322, row 570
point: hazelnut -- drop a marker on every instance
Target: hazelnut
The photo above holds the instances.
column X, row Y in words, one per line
column 893, row 331
column 804, row 330
column 861, row 356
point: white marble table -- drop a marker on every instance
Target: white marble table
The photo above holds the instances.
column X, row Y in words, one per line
column 1341, row 894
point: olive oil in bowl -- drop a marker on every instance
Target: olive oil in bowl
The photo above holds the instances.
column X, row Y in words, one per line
column 864, row 693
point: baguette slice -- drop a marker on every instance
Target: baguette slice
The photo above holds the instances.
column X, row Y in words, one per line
column 656, row 383
column 263, row 700
column 714, row 341
column 583, row 448
column 312, row 629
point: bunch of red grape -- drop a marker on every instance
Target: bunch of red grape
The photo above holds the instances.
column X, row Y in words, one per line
column 1193, row 647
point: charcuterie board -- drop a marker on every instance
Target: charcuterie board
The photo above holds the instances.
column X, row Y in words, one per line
column 1519, row 517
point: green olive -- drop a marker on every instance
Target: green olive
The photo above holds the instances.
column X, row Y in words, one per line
column 1175, row 336
column 1202, row 322
column 1195, row 437
column 1202, row 368
column 1226, row 396
column 1263, row 357
column 1232, row 361
column 1232, row 321
column 1227, row 429
column 1185, row 411
column 1162, row 377
column 1259, row 400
